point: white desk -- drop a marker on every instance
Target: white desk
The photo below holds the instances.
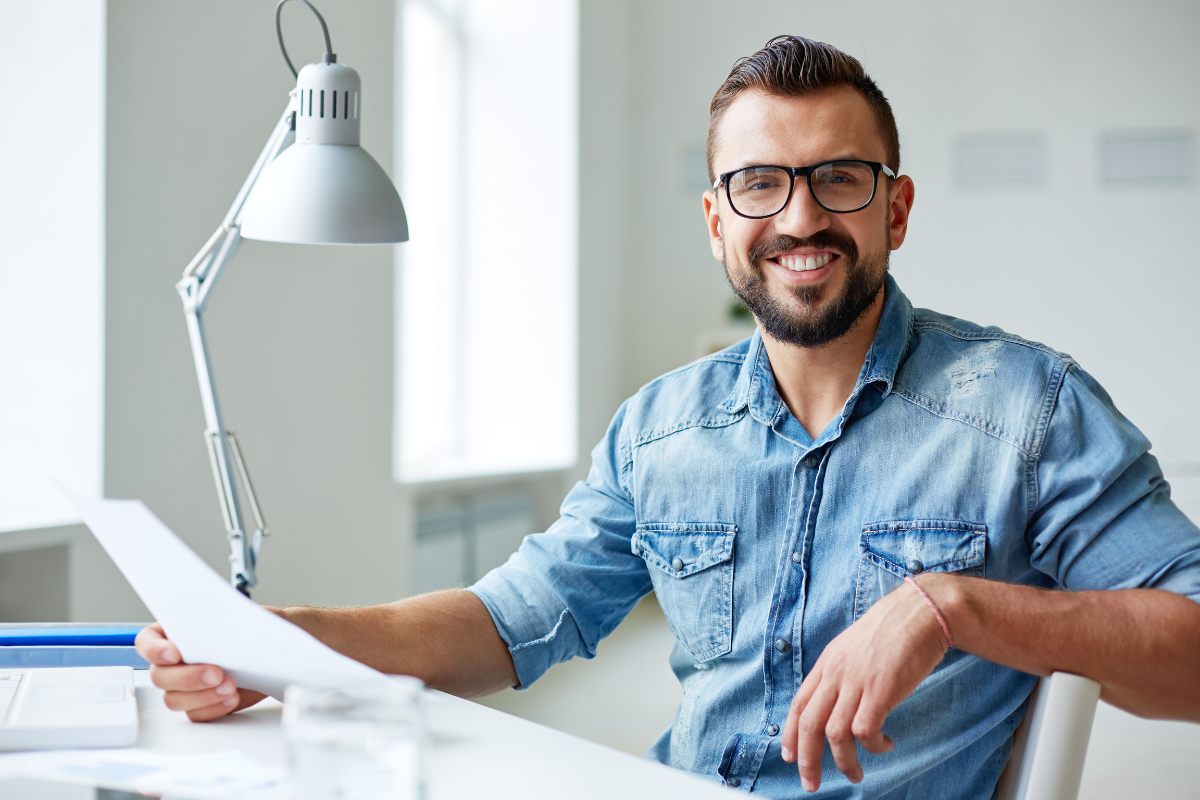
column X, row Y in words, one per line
column 476, row 752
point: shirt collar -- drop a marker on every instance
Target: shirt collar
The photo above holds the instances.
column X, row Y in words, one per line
column 755, row 386
column 890, row 347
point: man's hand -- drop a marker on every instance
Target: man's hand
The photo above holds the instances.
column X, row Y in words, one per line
column 204, row 691
column 860, row 677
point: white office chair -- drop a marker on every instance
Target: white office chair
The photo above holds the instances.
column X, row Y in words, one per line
column 1052, row 741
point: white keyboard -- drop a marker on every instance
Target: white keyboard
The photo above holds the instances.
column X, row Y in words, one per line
column 67, row 707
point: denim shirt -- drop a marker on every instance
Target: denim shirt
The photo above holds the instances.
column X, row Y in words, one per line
column 961, row 449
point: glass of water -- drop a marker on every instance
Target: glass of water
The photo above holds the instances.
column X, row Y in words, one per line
column 355, row 744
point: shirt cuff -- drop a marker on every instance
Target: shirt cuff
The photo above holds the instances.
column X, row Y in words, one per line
column 531, row 619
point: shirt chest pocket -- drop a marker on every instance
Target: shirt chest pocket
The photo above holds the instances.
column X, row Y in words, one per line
column 691, row 566
column 896, row 549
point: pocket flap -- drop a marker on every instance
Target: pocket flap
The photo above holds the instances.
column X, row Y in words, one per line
column 684, row 548
column 939, row 545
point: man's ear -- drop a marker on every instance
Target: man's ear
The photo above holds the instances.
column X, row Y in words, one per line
column 901, row 201
column 712, row 221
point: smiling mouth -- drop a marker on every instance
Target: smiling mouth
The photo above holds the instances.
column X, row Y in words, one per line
column 805, row 263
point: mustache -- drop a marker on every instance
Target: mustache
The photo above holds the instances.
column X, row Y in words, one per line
column 821, row 240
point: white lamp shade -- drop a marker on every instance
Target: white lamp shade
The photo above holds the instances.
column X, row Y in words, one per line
column 324, row 194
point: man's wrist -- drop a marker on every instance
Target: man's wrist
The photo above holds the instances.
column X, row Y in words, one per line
column 950, row 594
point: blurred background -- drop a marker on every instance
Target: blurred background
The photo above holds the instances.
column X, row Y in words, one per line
column 409, row 413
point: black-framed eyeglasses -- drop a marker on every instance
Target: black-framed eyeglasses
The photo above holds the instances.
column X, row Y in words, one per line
column 839, row 186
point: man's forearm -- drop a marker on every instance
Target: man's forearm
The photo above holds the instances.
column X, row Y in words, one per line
column 446, row 639
column 1141, row 645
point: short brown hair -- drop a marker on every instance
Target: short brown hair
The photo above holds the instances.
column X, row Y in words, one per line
column 793, row 66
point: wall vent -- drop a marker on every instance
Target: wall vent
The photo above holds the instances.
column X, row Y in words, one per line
column 1150, row 157
column 1000, row 160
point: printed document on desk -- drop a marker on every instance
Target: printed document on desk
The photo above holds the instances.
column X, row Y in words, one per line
column 209, row 620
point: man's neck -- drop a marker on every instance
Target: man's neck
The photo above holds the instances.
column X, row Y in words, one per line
column 815, row 382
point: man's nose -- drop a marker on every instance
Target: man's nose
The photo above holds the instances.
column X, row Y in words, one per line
column 802, row 216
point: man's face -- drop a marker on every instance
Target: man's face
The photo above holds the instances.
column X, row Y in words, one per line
column 806, row 274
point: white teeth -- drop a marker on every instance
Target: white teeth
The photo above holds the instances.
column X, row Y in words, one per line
column 804, row 263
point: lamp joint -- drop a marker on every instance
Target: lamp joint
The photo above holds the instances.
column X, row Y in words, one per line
column 188, row 289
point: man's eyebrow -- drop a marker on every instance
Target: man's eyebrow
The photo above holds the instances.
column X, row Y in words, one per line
column 763, row 163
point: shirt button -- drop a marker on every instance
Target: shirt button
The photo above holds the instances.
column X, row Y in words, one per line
column 796, row 557
column 811, row 460
column 915, row 566
column 677, row 564
column 772, row 729
column 734, row 782
column 782, row 645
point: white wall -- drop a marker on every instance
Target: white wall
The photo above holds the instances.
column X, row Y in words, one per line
column 52, row 261
column 300, row 336
column 607, row 71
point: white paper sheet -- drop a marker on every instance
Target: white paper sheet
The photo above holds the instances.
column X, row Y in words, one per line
column 228, row 775
column 207, row 619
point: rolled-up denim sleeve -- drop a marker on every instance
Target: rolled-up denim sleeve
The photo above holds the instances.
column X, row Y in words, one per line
column 566, row 589
column 1104, row 518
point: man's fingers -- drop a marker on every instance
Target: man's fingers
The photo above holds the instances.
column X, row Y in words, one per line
column 202, row 690
column 152, row 644
column 799, row 702
column 186, row 677
column 225, row 694
column 841, row 739
column 868, row 724
column 248, row 698
column 211, row 712
column 810, row 736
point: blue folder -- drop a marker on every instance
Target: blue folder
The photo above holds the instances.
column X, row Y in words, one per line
column 85, row 656
column 25, row 637
column 60, row 644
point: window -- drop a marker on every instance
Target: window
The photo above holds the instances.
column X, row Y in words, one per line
column 486, row 288
column 52, row 235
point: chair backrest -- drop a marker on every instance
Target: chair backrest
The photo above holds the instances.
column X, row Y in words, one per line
column 1051, row 742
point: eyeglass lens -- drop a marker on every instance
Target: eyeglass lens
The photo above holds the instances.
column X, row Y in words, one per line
column 838, row 186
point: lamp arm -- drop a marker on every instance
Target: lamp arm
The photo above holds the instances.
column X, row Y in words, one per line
column 200, row 276
column 210, row 262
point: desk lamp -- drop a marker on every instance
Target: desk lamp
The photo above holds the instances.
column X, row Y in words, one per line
column 312, row 184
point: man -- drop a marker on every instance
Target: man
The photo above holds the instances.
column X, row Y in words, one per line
column 856, row 521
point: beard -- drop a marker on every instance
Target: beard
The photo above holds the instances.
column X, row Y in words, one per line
column 814, row 323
